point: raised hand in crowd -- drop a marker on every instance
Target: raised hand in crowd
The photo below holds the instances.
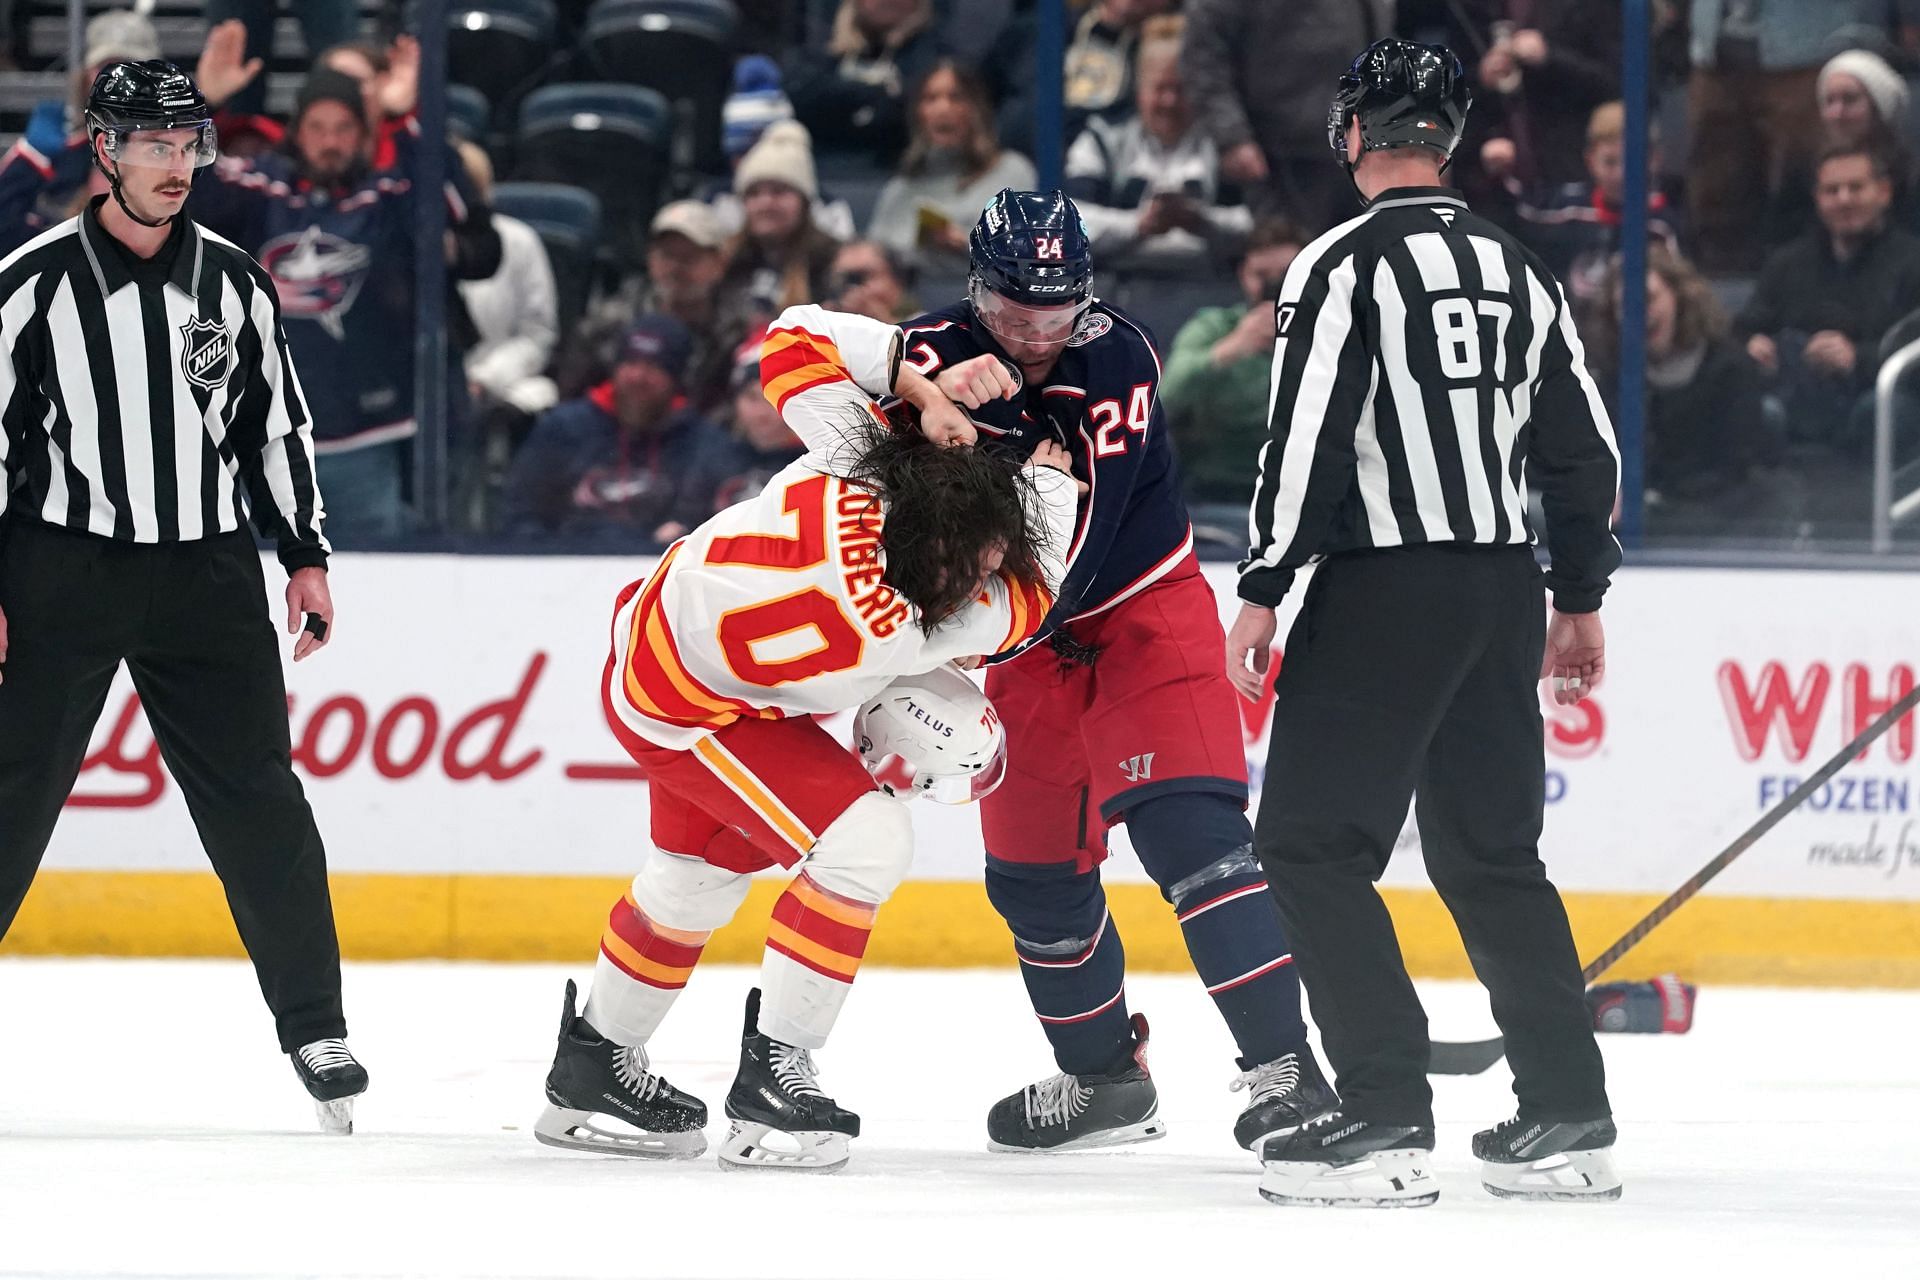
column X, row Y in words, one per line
column 1253, row 336
column 1765, row 352
column 1245, row 163
column 224, row 68
column 400, row 91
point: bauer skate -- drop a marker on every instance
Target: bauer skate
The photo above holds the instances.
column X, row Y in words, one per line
column 782, row 1119
column 594, row 1078
column 332, row 1075
column 1075, row 1113
column 1285, row 1094
column 1348, row 1162
column 1522, row 1159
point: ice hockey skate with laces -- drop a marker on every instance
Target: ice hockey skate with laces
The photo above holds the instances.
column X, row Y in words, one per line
column 1343, row 1161
column 604, row 1097
column 782, row 1119
column 1076, row 1113
column 1523, row 1159
column 335, row 1078
column 1282, row 1095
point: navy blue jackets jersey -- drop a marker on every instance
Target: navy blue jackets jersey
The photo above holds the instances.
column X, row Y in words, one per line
column 1102, row 401
column 342, row 261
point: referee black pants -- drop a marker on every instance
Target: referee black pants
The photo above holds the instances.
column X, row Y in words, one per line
column 188, row 619
column 1413, row 671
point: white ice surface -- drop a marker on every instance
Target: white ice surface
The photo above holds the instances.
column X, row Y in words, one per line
column 148, row 1127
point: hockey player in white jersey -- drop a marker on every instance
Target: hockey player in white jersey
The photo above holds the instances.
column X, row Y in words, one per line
column 880, row 555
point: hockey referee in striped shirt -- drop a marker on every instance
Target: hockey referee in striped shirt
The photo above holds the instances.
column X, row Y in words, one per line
column 146, row 398
column 1423, row 360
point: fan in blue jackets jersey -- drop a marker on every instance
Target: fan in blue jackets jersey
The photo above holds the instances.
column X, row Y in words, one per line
column 1118, row 711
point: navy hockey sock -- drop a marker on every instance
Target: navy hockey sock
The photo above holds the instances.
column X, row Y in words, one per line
column 1071, row 959
column 1199, row 849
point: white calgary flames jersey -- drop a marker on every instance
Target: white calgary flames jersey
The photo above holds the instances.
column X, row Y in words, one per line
column 776, row 606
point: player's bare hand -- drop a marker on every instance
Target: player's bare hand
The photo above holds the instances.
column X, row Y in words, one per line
column 307, row 592
column 978, row 381
column 1576, row 656
column 946, row 423
column 3, row 645
column 1250, row 650
column 1050, row 453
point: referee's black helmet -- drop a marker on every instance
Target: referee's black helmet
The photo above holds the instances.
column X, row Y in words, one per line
column 1404, row 95
column 130, row 98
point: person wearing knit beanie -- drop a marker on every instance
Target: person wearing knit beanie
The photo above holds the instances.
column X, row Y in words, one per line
column 1855, row 88
column 784, row 154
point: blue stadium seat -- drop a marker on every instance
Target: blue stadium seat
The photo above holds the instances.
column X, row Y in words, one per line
column 500, row 47
column 682, row 48
column 568, row 222
column 469, row 114
column 609, row 139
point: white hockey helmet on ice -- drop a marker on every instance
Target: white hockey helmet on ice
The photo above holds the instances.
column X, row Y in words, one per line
column 932, row 735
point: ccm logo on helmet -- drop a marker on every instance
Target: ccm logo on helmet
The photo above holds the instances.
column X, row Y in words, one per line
column 1050, row 247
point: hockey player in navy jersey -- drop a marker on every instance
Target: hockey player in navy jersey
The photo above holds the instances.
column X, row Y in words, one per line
column 1118, row 711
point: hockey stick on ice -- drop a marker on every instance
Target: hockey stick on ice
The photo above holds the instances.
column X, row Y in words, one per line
column 1468, row 1058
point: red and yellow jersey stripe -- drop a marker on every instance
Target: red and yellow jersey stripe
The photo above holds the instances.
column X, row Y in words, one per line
column 654, row 676
column 796, row 360
column 1028, row 604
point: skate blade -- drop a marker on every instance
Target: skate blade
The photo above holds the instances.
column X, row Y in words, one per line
column 750, row 1145
column 335, row 1115
column 1567, row 1177
column 576, row 1131
column 1146, row 1131
column 1395, row 1179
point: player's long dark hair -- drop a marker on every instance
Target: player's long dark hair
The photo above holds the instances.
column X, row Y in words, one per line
column 945, row 508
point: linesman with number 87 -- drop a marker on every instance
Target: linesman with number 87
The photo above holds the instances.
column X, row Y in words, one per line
column 1423, row 360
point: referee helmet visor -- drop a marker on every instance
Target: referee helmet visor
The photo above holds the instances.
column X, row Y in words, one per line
column 151, row 115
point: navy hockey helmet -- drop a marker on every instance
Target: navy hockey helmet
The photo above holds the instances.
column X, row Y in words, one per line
column 1031, row 267
column 133, row 98
column 1404, row 95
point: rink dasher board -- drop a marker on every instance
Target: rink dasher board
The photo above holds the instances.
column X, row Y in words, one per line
column 474, row 803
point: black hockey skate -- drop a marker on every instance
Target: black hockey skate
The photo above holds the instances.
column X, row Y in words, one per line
column 782, row 1119
column 1073, row 1113
column 1286, row 1093
column 1522, row 1159
column 1342, row 1160
column 594, row 1077
column 335, row 1078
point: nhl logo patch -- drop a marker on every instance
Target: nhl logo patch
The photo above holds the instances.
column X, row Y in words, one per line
column 206, row 352
column 1092, row 325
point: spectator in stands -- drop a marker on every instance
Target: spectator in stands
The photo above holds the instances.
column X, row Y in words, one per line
column 628, row 464
column 869, row 279
column 515, row 313
column 1823, row 302
column 1863, row 103
column 757, row 102
column 1550, row 63
column 323, row 24
column 388, row 76
column 780, row 258
column 46, row 175
column 1260, row 75
column 1215, row 385
column 852, row 93
column 1149, row 187
column 765, row 443
column 1709, row 441
column 1575, row 227
column 1101, row 57
column 1755, row 68
column 686, row 258
column 953, row 167
column 337, row 238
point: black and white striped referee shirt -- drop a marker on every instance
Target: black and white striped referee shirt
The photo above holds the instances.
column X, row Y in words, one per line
column 146, row 406
column 1425, row 366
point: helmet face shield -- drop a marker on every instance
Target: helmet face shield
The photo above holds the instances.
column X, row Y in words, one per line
column 185, row 148
column 1016, row 322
